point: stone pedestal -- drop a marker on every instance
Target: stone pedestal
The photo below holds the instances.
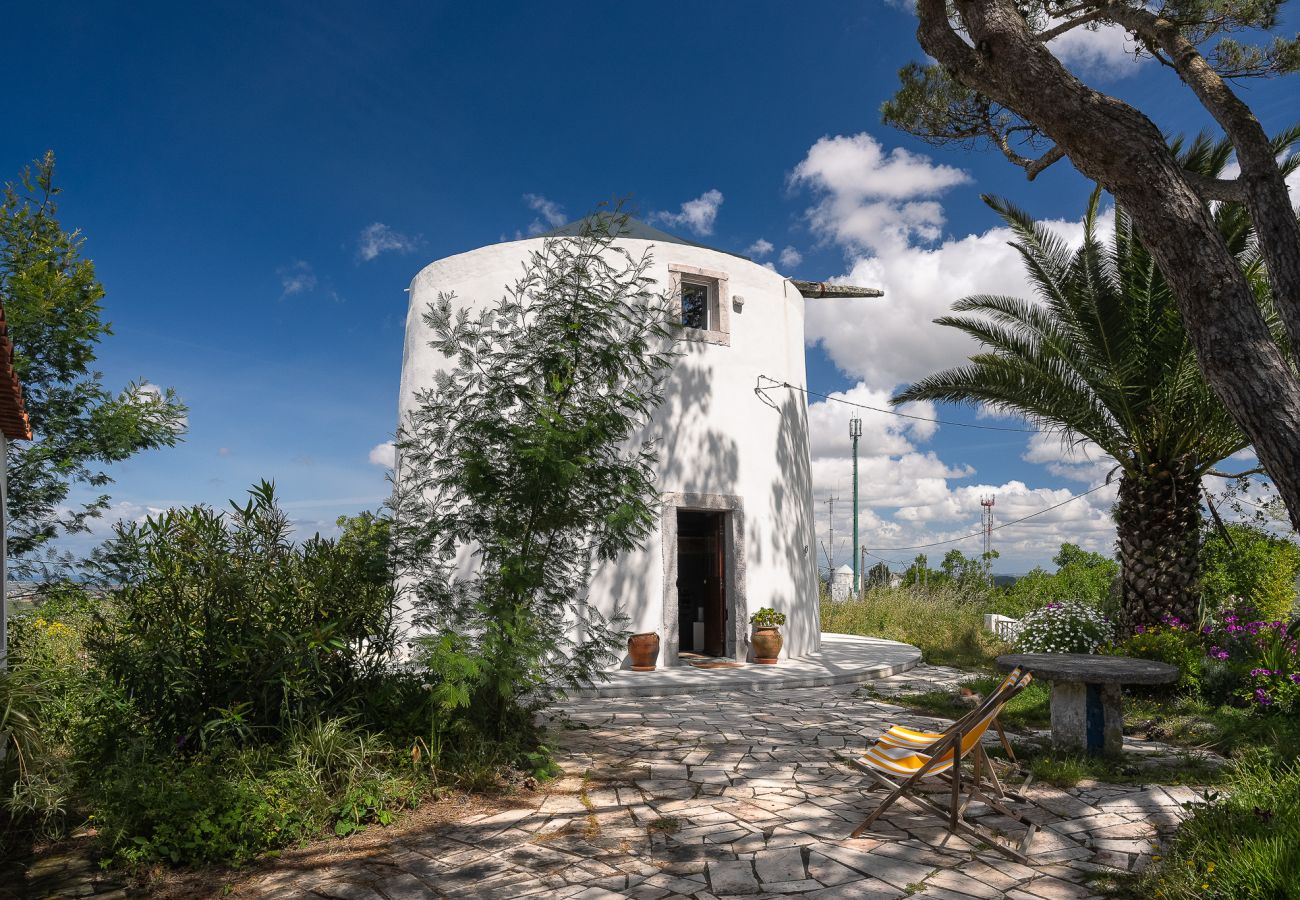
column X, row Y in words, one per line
column 1087, row 718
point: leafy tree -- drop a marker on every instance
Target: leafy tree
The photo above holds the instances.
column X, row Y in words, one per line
column 1250, row 565
column 966, row 571
column 878, row 575
column 1103, row 356
column 996, row 81
column 52, row 305
column 1080, row 576
column 524, row 456
column 919, row 571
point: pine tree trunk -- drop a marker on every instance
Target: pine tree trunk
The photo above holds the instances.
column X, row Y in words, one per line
column 1123, row 150
column 1158, row 521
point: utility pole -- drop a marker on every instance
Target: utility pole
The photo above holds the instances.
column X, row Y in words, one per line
column 986, row 520
column 855, row 432
column 830, row 541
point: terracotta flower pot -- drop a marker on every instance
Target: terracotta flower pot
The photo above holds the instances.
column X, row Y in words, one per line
column 644, row 650
column 767, row 644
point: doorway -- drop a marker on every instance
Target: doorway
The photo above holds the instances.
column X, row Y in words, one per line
column 701, row 582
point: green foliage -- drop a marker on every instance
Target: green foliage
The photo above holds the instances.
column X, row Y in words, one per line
column 52, row 307
column 1258, row 568
column 224, row 630
column 1028, row 709
column 767, row 618
column 521, row 453
column 1244, row 844
column 1080, row 575
column 1170, row 644
column 945, row 622
column 967, row 574
column 232, row 805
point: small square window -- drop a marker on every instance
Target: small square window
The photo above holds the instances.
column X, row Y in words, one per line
column 700, row 300
column 697, row 304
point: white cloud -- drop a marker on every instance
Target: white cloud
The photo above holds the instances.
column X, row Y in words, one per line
column 882, row 209
column 1084, row 462
column 551, row 214
column 759, row 248
column 1106, row 51
column 296, row 278
column 871, row 199
column 907, row 495
column 384, row 454
column 698, row 215
column 377, row 238
column 790, row 258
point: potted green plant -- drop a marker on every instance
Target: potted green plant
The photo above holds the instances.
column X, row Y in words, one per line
column 766, row 638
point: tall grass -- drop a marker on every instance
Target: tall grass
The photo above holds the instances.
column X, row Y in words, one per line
column 946, row 622
column 1245, row 845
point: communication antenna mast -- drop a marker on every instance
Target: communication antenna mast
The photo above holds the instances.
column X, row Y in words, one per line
column 986, row 519
column 855, row 432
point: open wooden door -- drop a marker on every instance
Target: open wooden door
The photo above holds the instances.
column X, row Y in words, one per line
column 701, row 582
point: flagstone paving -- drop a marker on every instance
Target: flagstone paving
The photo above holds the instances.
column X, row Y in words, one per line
column 743, row 795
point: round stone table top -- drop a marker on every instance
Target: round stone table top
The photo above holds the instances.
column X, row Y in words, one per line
column 1090, row 669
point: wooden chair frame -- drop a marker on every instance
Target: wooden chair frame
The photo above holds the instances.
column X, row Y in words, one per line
column 983, row 784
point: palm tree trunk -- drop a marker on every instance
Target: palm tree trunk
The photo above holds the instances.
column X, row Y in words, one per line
column 1158, row 520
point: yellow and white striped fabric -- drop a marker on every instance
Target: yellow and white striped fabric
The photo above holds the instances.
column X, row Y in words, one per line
column 906, row 761
column 911, row 739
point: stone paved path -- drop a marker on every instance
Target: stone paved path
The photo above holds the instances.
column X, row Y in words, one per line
column 747, row 795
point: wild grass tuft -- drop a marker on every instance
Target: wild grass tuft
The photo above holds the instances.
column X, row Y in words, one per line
column 946, row 622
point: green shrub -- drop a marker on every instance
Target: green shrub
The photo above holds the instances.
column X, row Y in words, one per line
column 222, row 626
column 1176, row 645
column 231, row 805
column 945, row 622
column 1259, row 569
column 1245, row 845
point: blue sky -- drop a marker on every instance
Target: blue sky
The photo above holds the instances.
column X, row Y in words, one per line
column 258, row 183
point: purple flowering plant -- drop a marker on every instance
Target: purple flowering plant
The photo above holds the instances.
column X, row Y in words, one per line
column 1262, row 653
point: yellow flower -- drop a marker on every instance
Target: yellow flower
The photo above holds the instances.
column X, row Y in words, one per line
column 1209, row 867
column 1204, row 886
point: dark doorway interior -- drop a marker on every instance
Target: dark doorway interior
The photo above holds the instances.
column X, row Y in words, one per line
column 701, row 582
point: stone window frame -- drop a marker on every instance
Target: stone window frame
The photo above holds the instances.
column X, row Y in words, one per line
column 737, row 643
column 719, row 313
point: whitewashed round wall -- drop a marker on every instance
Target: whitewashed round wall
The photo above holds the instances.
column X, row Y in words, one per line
column 722, row 448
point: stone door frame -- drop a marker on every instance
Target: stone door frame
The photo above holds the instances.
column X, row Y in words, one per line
column 733, row 508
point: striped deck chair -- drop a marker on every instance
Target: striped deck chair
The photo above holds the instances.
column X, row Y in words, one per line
column 942, row 759
column 901, row 736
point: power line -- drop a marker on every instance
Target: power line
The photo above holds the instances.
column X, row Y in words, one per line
column 894, row 412
column 980, row 533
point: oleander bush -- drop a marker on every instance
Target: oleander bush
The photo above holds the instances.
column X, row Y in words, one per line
column 225, row 692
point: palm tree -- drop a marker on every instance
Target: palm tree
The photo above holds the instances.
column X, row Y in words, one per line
column 1102, row 356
